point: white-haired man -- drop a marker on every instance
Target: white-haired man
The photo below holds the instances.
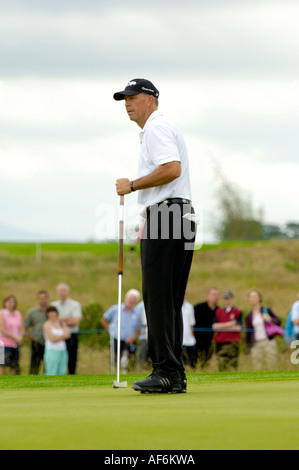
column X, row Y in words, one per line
column 129, row 328
column 70, row 312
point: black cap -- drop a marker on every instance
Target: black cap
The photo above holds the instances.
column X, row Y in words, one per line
column 136, row 86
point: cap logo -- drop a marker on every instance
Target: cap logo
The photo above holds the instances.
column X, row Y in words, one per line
column 147, row 89
column 131, row 83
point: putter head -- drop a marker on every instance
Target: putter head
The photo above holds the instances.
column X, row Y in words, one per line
column 117, row 384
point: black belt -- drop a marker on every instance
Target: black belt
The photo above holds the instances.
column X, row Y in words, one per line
column 171, row 200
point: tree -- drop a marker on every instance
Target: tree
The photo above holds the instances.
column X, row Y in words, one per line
column 288, row 230
column 273, row 231
column 238, row 220
column 292, row 229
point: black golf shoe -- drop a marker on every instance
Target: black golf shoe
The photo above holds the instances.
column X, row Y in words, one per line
column 184, row 385
column 157, row 384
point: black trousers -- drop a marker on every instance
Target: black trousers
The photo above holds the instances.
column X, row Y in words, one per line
column 167, row 245
column 124, row 347
column 72, row 349
column 37, row 356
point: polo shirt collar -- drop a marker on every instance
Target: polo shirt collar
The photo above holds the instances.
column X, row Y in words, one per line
column 149, row 119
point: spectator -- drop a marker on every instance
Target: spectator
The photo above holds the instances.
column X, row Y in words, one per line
column 142, row 348
column 11, row 335
column 189, row 341
column 56, row 333
column 71, row 312
column 228, row 324
column 34, row 322
column 295, row 316
column 289, row 330
column 263, row 347
column 204, row 318
column 129, row 327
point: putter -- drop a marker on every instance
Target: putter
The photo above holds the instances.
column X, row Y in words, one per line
column 112, row 355
column 117, row 383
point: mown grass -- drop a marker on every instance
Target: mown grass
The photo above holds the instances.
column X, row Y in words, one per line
column 106, row 380
column 252, row 410
column 31, row 248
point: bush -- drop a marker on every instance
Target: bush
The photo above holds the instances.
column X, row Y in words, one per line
column 92, row 315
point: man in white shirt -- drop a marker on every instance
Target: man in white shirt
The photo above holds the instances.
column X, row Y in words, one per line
column 71, row 312
column 189, row 341
column 295, row 317
column 167, row 240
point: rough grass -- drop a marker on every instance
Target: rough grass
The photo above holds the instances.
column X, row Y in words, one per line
column 91, row 271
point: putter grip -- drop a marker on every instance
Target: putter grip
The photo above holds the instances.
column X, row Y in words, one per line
column 121, row 236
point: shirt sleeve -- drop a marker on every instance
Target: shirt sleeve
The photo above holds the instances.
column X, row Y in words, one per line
column 77, row 312
column 163, row 145
column 215, row 319
column 28, row 320
column 139, row 322
column 295, row 311
column 109, row 314
column 192, row 316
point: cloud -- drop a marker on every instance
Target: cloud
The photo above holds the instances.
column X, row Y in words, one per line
column 227, row 73
column 73, row 134
column 256, row 39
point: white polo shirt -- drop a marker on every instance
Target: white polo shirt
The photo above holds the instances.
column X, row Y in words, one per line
column 295, row 315
column 188, row 322
column 70, row 308
column 162, row 142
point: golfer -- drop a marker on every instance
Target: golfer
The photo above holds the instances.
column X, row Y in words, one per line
column 167, row 240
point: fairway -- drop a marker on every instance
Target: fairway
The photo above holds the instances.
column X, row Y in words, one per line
column 255, row 410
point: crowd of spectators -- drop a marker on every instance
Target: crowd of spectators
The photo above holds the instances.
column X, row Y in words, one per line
column 52, row 329
column 220, row 329
column 214, row 326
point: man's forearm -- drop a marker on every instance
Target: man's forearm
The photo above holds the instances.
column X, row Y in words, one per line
column 72, row 321
column 162, row 175
column 105, row 323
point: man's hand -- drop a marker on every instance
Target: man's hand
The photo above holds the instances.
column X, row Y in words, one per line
column 130, row 340
column 123, row 186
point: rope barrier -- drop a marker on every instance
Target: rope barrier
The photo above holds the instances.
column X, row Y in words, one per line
column 83, row 332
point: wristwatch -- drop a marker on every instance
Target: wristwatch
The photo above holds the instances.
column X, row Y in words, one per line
column 131, row 186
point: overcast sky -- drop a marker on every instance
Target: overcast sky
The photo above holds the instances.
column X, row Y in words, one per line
column 227, row 72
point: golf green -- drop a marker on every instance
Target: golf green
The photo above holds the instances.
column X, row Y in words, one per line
column 220, row 411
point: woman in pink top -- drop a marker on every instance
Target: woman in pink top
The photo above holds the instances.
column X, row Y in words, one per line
column 11, row 334
column 263, row 347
